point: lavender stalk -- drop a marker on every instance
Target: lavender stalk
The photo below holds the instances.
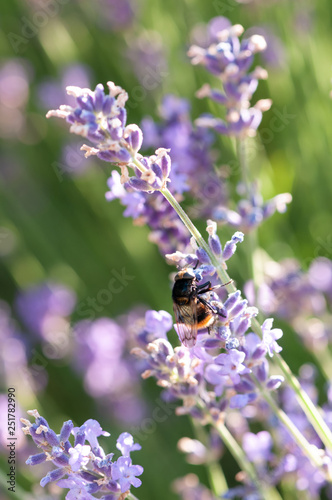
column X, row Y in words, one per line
column 102, row 120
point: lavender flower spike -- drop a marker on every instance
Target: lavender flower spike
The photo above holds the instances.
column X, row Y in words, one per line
column 102, row 119
column 84, row 469
column 230, row 59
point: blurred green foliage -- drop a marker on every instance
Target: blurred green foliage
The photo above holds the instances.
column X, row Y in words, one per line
column 63, row 229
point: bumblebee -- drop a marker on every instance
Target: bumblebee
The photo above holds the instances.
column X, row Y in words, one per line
column 192, row 311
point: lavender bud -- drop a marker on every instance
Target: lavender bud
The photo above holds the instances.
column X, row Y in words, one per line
column 66, row 430
column 262, row 371
column 241, row 400
column 165, row 163
column 121, row 156
column 52, row 438
column 53, row 475
column 245, row 386
column 239, row 308
column 134, row 137
column 243, row 326
column 259, row 352
column 274, row 382
column 140, row 185
column 61, row 460
column 79, row 438
column 230, row 246
column 36, row 459
column 215, row 245
column 232, row 299
column 214, row 241
column 202, row 256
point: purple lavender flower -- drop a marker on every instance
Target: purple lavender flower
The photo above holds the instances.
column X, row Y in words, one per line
column 156, row 325
column 126, row 445
column 89, row 469
column 79, row 456
column 270, row 336
column 102, row 119
column 167, row 231
column 92, row 430
column 257, row 446
column 43, row 308
column 250, row 213
column 125, row 473
column 192, row 160
column 230, row 59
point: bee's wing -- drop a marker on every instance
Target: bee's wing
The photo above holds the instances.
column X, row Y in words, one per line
column 186, row 321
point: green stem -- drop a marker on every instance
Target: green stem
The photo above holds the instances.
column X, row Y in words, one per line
column 311, row 451
column 251, row 236
column 311, row 411
column 242, row 157
column 217, row 478
column 306, row 404
column 241, row 458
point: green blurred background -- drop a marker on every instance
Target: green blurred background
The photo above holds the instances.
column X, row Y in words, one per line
column 58, row 226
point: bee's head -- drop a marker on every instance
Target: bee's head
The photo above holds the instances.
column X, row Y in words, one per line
column 185, row 274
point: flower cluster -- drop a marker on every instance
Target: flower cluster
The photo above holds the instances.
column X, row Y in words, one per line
column 83, row 469
column 222, row 368
column 102, row 120
column 192, row 160
column 251, row 211
column 229, row 59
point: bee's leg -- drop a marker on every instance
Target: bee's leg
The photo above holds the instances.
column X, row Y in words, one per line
column 213, row 308
column 207, row 304
column 206, row 287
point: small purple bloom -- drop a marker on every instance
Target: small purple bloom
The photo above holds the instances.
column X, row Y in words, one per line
column 79, row 456
column 271, row 336
column 232, row 362
column 158, row 323
column 125, row 443
column 257, row 446
column 125, row 473
column 242, row 400
column 77, row 488
column 92, row 430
